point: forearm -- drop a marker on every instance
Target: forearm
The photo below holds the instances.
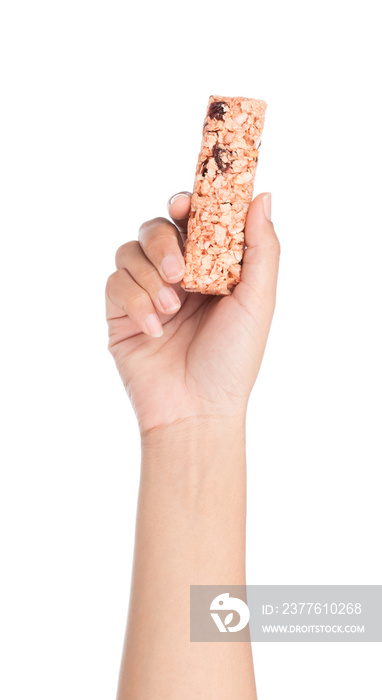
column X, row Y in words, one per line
column 190, row 530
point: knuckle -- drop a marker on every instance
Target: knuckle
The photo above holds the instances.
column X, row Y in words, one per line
column 137, row 302
column 155, row 233
column 111, row 282
column 124, row 251
column 147, row 276
column 152, row 223
column 152, row 246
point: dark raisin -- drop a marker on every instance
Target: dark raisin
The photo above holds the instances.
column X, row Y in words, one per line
column 204, row 167
column 221, row 156
column 217, row 110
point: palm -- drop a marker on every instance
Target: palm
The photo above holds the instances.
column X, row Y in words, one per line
column 204, row 361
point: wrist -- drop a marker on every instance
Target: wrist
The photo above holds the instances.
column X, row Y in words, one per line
column 195, row 431
column 194, row 447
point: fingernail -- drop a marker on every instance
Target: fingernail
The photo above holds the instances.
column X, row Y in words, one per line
column 153, row 325
column 169, row 299
column 171, row 266
column 178, row 196
column 267, row 206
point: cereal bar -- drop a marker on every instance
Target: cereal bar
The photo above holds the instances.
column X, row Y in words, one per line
column 222, row 193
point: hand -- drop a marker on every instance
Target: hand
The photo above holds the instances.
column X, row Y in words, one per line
column 184, row 354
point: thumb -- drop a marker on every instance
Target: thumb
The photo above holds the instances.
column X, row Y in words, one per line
column 256, row 291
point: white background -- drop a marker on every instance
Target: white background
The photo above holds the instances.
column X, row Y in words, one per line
column 101, row 118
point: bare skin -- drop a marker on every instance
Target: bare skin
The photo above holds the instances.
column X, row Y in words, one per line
column 189, row 371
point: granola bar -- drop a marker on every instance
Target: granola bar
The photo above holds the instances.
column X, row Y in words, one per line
column 223, row 190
